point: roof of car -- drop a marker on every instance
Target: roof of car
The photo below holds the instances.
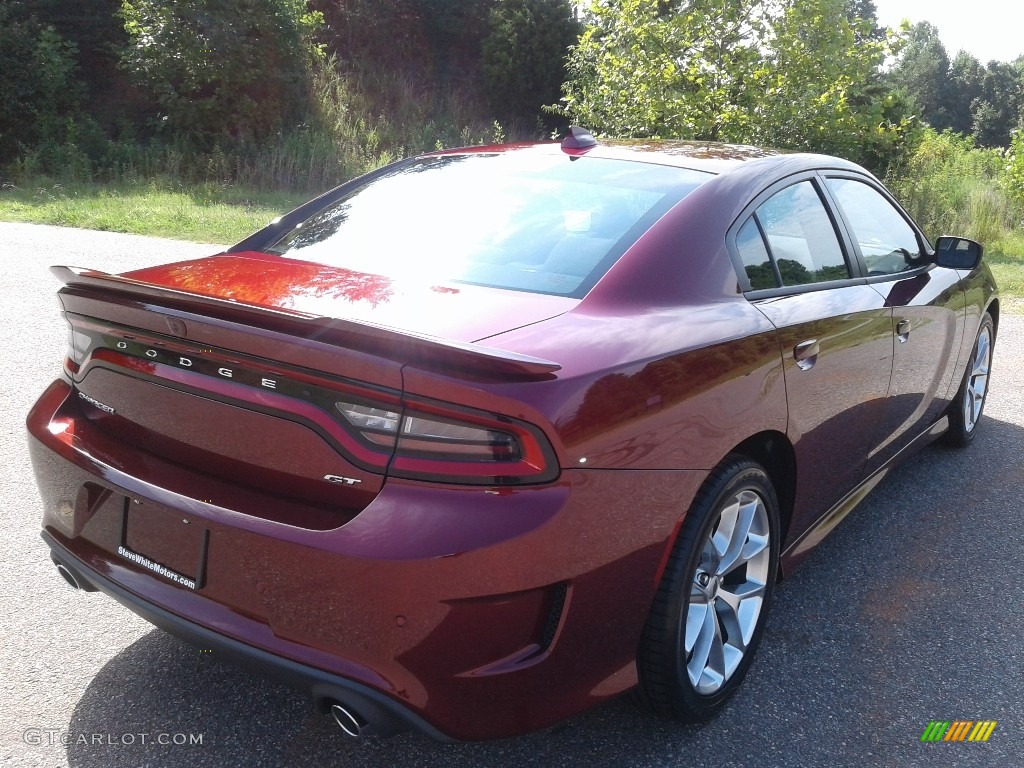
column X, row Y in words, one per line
column 698, row 155
column 707, row 156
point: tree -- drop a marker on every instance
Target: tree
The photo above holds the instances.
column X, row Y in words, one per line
column 922, row 73
column 650, row 68
column 966, row 75
column 823, row 92
column 35, row 108
column 863, row 16
column 96, row 30
column 802, row 74
column 374, row 31
column 222, row 68
column 524, row 55
column 455, row 32
column 996, row 112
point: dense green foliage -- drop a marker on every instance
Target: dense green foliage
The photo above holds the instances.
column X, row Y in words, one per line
column 966, row 96
column 801, row 75
column 951, row 186
column 824, row 90
column 268, row 93
column 306, row 92
column 650, row 69
column 523, row 57
column 146, row 95
column 222, row 67
column 33, row 109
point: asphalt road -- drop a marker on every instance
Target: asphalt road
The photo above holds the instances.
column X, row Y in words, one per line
column 910, row 612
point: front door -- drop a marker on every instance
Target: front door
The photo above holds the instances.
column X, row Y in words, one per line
column 927, row 304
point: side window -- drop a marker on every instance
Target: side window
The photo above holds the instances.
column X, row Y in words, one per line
column 801, row 236
column 887, row 242
column 756, row 261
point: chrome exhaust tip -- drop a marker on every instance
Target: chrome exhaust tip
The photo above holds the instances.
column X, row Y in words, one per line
column 347, row 720
column 68, row 576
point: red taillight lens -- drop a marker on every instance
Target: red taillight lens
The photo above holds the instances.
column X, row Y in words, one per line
column 375, row 428
column 78, row 347
column 469, row 447
column 431, row 438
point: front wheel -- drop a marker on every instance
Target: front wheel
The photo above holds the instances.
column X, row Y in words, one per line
column 710, row 609
column 965, row 411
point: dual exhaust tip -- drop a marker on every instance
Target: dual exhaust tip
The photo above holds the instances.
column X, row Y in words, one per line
column 68, row 576
column 73, row 578
column 349, row 722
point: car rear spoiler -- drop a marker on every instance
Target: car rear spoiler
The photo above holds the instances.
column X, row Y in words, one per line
column 420, row 350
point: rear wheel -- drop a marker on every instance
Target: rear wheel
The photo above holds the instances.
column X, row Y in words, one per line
column 965, row 411
column 710, row 608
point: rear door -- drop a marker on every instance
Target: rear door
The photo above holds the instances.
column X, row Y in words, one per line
column 927, row 304
column 835, row 333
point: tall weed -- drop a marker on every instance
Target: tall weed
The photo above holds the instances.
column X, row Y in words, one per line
column 950, row 186
column 360, row 120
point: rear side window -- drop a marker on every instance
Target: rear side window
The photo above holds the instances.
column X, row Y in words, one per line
column 790, row 240
column 538, row 222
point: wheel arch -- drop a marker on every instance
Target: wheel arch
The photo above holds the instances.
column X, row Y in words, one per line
column 993, row 310
column 773, row 451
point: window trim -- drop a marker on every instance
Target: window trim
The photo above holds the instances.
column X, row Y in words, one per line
column 853, row 263
column 767, row 248
column 925, row 248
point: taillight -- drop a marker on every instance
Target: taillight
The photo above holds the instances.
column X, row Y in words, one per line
column 78, row 347
column 448, row 439
column 436, row 442
column 374, row 428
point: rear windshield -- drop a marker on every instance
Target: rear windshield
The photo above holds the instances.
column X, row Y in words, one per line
column 520, row 220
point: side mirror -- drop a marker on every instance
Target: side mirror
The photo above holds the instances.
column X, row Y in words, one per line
column 957, row 252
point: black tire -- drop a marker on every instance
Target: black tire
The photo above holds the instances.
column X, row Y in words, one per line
column 966, row 409
column 666, row 686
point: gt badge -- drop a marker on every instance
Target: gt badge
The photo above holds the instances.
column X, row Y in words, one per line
column 341, row 480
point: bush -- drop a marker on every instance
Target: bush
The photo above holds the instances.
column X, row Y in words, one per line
column 33, row 109
column 221, row 67
column 950, row 186
column 1014, row 168
column 525, row 53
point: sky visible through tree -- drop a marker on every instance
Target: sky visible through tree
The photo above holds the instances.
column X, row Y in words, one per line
column 988, row 29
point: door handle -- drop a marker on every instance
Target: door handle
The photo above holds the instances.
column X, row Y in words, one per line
column 806, row 354
column 903, row 330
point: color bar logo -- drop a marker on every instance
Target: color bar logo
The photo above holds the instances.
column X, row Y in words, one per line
column 958, row 730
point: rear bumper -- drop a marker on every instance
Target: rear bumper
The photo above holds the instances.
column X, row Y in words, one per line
column 382, row 715
column 463, row 613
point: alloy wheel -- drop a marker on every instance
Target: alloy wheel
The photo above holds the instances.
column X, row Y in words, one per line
column 977, row 379
column 727, row 593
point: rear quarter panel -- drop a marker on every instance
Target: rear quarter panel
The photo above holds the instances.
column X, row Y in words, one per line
column 673, row 388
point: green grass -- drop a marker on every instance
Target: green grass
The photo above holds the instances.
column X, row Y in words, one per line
column 1006, row 257
column 206, row 213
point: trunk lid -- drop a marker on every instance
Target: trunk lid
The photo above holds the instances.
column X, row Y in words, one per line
column 458, row 312
column 251, row 393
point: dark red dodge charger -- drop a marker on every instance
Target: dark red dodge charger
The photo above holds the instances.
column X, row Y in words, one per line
column 489, row 436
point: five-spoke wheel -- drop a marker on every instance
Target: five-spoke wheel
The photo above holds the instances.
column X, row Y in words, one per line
column 965, row 412
column 711, row 605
